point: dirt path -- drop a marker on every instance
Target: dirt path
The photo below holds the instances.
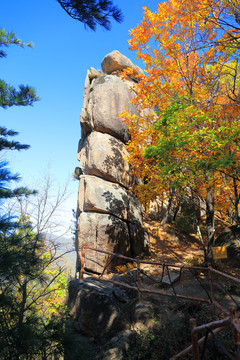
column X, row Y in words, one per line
column 170, row 246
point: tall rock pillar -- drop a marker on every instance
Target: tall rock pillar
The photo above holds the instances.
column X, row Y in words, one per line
column 109, row 217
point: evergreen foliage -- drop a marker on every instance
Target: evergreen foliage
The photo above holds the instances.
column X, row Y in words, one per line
column 9, row 96
column 29, row 278
column 92, row 12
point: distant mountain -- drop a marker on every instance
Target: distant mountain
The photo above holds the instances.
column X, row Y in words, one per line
column 66, row 245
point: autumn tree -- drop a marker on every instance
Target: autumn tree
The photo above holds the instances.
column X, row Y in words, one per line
column 188, row 142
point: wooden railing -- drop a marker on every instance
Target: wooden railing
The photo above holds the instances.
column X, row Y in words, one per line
column 232, row 319
column 211, row 330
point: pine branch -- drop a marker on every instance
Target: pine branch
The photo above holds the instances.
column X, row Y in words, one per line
column 92, row 12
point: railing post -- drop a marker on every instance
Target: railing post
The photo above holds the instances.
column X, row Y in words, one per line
column 235, row 331
column 194, row 336
column 211, row 283
column 139, row 280
column 82, row 261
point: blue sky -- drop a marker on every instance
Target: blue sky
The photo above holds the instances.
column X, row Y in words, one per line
column 56, row 67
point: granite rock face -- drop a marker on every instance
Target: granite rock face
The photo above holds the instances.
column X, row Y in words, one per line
column 94, row 311
column 109, row 217
column 103, row 310
column 109, row 314
column 99, row 153
column 115, row 61
column 108, row 95
column 101, row 196
column 105, row 232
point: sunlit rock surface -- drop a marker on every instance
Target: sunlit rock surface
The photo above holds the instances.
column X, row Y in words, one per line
column 109, row 217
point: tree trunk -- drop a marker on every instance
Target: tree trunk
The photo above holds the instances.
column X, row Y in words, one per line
column 210, row 223
column 236, row 202
column 167, row 217
column 21, row 319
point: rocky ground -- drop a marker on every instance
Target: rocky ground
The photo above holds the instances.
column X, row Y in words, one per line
column 122, row 328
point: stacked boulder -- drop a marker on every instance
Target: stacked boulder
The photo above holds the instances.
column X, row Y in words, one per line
column 109, row 217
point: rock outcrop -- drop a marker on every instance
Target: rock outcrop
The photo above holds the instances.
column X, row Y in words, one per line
column 109, row 315
column 115, row 61
column 98, row 154
column 109, row 216
column 230, row 238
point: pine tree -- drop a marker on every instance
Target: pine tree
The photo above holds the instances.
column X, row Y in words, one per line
column 14, row 254
column 10, row 96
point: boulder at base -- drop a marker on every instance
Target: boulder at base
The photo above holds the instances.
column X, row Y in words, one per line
column 94, row 310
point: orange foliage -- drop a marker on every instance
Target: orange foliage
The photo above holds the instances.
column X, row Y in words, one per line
column 191, row 85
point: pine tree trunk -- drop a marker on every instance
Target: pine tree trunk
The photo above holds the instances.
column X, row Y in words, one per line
column 21, row 319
